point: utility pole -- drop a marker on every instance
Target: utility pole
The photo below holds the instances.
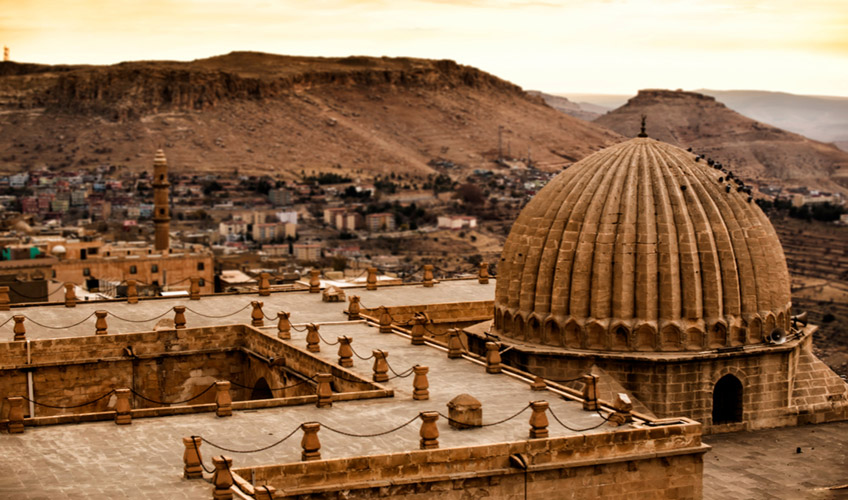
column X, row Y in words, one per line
column 500, row 143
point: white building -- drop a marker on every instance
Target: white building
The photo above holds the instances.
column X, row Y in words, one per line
column 457, row 222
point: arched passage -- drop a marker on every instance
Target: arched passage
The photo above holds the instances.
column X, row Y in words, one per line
column 727, row 400
column 261, row 390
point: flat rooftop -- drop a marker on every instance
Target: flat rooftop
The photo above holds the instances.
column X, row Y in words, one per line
column 56, row 320
column 144, row 460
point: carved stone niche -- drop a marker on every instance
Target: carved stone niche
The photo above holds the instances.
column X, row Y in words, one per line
column 465, row 412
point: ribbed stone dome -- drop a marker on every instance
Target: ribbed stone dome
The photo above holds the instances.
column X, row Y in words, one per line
column 640, row 247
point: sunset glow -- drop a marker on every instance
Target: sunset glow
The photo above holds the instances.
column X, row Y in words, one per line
column 556, row 46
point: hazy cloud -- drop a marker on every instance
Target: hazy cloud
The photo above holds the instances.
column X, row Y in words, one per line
column 613, row 45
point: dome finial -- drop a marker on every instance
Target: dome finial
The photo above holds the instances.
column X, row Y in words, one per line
column 643, row 133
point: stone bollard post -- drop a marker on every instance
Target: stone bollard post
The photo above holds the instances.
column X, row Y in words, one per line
column 194, row 289
column 16, row 414
column 538, row 384
column 483, row 273
column 428, row 275
column 70, row 295
column 454, row 344
column 381, row 367
column 223, row 478
column 539, row 420
column 493, row 358
column 429, row 431
column 4, row 298
column 313, row 340
column 283, row 325
column 257, row 317
column 385, row 320
column 418, row 331
column 132, row 292
column 192, row 468
column 590, row 393
column 315, row 281
column 324, row 390
column 310, row 443
column 20, row 328
column 123, row 414
column 264, row 492
column 223, row 400
column 100, row 326
column 420, row 383
column 623, row 410
column 345, row 352
column 371, row 281
column 354, row 309
column 179, row 317
column 264, row 284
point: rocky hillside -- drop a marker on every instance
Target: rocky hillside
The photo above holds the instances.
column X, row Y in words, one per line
column 262, row 113
column 565, row 105
column 751, row 149
column 823, row 118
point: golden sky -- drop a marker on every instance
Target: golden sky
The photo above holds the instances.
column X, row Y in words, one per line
column 610, row 46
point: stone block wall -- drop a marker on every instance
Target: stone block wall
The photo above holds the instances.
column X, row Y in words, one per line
column 661, row 462
column 683, row 385
column 170, row 366
column 180, row 378
column 301, row 361
column 453, row 313
column 283, row 384
column 170, row 379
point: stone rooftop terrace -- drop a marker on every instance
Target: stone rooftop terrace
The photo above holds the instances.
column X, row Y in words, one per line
column 102, row 460
column 144, row 460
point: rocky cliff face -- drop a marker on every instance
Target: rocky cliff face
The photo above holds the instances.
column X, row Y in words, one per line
column 752, row 149
column 258, row 112
column 131, row 90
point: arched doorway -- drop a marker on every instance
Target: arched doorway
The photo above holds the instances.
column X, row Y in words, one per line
column 261, row 390
column 727, row 400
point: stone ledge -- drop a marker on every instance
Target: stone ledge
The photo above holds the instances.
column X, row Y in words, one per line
column 424, row 477
column 164, row 411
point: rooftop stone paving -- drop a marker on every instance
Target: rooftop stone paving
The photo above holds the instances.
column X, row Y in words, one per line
column 144, row 460
column 765, row 464
column 305, row 308
column 102, row 460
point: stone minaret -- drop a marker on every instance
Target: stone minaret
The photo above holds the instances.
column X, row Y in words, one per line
column 161, row 211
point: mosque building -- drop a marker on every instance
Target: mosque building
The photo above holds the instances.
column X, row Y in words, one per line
column 642, row 300
column 656, row 271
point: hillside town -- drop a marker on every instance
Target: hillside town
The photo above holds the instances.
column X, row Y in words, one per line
column 247, row 225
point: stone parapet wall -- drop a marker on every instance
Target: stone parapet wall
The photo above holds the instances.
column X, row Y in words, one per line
column 166, row 367
column 301, row 361
column 452, row 312
column 675, row 385
column 167, row 379
column 94, row 347
column 659, row 462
